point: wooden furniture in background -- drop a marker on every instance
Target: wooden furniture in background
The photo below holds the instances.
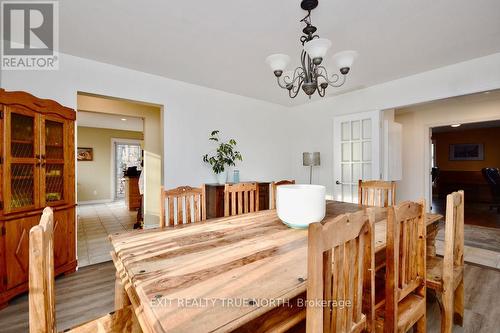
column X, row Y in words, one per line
column 132, row 194
column 252, row 256
column 446, row 275
column 405, row 270
column 376, row 193
column 215, row 198
column 37, row 169
column 347, row 242
column 241, row 198
column 185, row 205
column 274, row 185
column 471, row 182
column 42, row 304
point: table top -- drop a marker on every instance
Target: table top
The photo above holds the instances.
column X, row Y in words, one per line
column 199, row 277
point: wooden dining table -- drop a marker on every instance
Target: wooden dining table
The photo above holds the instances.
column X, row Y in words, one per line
column 243, row 273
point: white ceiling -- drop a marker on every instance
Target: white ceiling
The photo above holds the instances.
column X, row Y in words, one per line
column 110, row 121
column 222, row 44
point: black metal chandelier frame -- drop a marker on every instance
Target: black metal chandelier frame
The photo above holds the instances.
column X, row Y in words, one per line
column 308, row 74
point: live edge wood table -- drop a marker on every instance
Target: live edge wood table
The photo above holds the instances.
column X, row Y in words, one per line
column 234, row 274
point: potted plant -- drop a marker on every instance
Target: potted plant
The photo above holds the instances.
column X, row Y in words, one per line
column 225, row 155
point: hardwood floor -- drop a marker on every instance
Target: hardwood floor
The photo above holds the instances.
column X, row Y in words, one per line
column 89, row 294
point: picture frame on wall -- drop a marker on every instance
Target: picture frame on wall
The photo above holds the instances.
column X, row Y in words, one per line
column 84, row 154
column 466, row 152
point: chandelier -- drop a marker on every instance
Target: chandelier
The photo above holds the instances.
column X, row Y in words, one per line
column 311, row 75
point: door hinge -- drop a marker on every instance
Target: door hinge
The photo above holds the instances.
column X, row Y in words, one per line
column 1, row 204
column 1, row 111
column 1, row 160
column 3, row 231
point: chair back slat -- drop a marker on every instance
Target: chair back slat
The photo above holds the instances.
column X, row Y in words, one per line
column 405, row 257
column 454, row 236
column 185, row 205
column 241, row 198
column 377, row 193
column 338, row 271
column 274, row 186
column 42, row 310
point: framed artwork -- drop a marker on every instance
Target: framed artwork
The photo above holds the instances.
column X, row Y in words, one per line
column 467, row 152
column 84, row 154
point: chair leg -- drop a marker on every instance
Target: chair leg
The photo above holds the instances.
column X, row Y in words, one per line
column 458, row 307
column 121, row 296
column 447, row 311
column 421, row 325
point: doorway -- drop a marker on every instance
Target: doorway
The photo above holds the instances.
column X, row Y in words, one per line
column 113, row 132
column 127, row 154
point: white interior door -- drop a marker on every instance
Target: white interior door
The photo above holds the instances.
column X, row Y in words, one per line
column 356, row 152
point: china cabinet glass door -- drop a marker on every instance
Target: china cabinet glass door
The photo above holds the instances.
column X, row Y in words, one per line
column 53, row 156
column 21, row 165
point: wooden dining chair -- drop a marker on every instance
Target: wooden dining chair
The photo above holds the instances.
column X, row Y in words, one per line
column 446, row 275
column 405, row 270
column 185, row 205
column 377, row 193
column 340, row 268
column 241, row 198
column 274, row 186
column 42, row 310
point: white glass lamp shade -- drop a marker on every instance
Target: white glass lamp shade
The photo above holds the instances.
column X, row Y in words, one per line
column 317, row 47
column 278, row 62
column 345, row 59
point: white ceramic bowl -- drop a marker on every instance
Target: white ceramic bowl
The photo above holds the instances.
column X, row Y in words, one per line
column 300, row 205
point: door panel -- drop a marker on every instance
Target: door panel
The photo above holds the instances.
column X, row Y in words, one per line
column 356, row 152
column 21, row 165
column 17, row 249
column 53, row 155
column 61, row 237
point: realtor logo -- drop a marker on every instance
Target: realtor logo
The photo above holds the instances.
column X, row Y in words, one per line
column 30, row 35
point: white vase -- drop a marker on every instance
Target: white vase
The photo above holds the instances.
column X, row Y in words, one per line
column 222, row 177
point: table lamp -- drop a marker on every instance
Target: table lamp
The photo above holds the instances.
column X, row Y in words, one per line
column 310, row 160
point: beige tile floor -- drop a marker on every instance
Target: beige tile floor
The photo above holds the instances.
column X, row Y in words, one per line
column 95, row 223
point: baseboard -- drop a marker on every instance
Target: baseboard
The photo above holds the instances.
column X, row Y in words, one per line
column 93, row 202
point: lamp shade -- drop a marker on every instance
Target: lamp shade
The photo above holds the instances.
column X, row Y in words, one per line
column 310, row 159
column 278, row 62
column 345, row 59
column 317, row 47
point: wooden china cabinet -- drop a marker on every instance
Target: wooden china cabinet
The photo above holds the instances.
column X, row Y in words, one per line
column 37, row 169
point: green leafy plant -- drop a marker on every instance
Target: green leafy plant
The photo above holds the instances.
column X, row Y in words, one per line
column 225, row 154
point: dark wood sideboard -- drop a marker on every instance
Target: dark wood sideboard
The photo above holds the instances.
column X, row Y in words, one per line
column 215, row 198
column 472, row 182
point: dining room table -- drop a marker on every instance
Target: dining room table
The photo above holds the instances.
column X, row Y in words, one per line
column 245, row 273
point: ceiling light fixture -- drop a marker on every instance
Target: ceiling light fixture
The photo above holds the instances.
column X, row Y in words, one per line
column 311, row 76
column 124, row 119
column 456, row 125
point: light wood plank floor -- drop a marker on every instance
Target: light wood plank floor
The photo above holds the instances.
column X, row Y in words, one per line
column 88, row 294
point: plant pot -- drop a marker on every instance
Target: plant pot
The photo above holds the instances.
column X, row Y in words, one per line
column 222, row 177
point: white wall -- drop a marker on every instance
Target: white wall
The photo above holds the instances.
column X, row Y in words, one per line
column 271, row 137
column 190, row 113
column 416, row 122
column 313, row 122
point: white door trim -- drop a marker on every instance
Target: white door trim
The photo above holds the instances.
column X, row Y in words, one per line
column 113, row 162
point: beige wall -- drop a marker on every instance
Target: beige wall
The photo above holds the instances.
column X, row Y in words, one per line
column 94, row 177
column 417, row 121
column 153, row 139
